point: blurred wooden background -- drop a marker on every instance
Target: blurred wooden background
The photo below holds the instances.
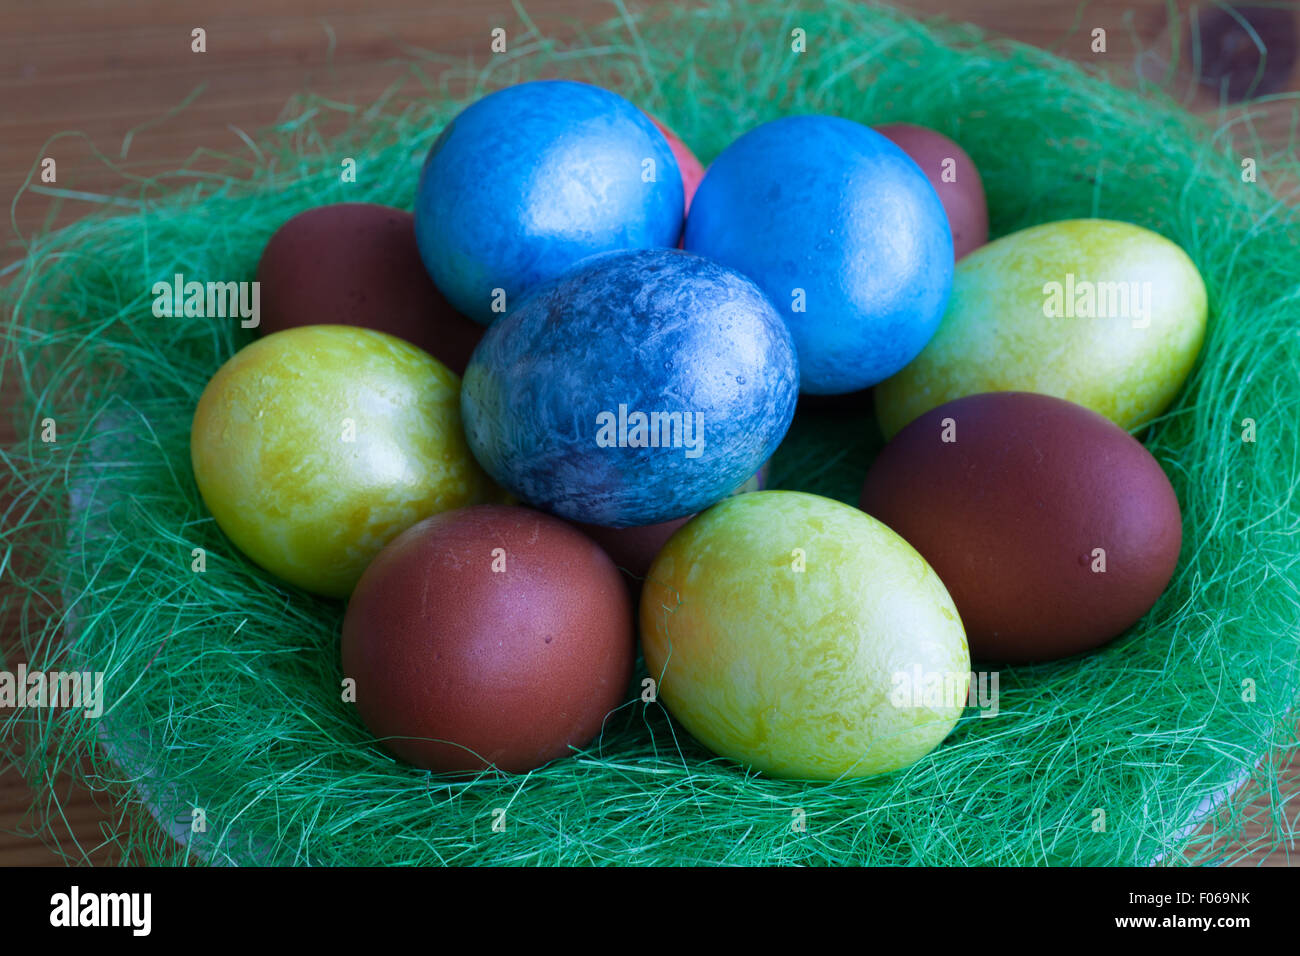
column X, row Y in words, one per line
column 112, row 69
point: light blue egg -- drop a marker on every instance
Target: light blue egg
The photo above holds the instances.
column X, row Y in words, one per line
column 529, row 180
column 844, row 233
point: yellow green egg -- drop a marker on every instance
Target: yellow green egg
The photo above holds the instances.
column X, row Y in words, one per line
column 1105, row 314
column 802, row 638
column 315, row 446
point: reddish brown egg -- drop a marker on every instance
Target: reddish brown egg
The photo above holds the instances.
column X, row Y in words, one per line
column 357, row 264
column 691, row 169
column 634, row 549
column 491, row 635
column 1053, row 529
column 954, row 177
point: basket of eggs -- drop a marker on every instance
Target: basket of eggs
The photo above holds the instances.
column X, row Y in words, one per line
column 915, row 482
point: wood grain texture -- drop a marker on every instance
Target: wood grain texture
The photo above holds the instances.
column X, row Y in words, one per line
column 109, row 70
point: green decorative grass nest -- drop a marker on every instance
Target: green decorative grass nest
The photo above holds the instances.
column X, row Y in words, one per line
column 223, row 687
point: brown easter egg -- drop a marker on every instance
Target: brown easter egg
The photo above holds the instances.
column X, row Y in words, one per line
column 1053, row 529
column 488, row 636
column 357, row 264
column 954, row 177
column 634, row 548
column 691, row 169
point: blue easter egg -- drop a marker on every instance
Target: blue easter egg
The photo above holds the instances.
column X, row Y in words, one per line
column 529, row 180
column 640, row 387
column 844, row 233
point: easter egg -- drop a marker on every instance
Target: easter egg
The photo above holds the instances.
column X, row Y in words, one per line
column 528, row 180
column 690, row 168
column 1105, row 314
column 802, row 638
column 634, row 548
column 488, row 636
column 1052, row 527
column 315, row 446
column 844, row 233
column 640, row 387
column 356, row 263
column 954, row 177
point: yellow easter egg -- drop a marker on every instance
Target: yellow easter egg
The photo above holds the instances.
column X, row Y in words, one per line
column 802, row 638
column 316, row 446
column 1105, row 314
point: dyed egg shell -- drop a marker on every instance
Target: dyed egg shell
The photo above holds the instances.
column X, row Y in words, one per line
column 633, row 549
column 845, row 234
column 641, row 387
column 798, row 673
column 315, row 446
column 356, row 263
column 690, row 168
column 488, row 636
column 962, row 194
column 1019, row 320
column 529, row 180
column 1011, row 514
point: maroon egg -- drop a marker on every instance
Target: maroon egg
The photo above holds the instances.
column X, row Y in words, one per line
column 1053, row 529
column 961, row 191
column 357, row 264
column 634, row 548
column 490, row 635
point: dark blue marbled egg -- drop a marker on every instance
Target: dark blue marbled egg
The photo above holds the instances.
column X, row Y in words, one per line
column 844, row 233
column 639, row 387
column 529, row 180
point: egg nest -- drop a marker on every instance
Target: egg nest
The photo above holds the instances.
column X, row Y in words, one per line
column 223, row 687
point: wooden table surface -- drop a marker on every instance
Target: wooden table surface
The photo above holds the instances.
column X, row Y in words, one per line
column 106, row 70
